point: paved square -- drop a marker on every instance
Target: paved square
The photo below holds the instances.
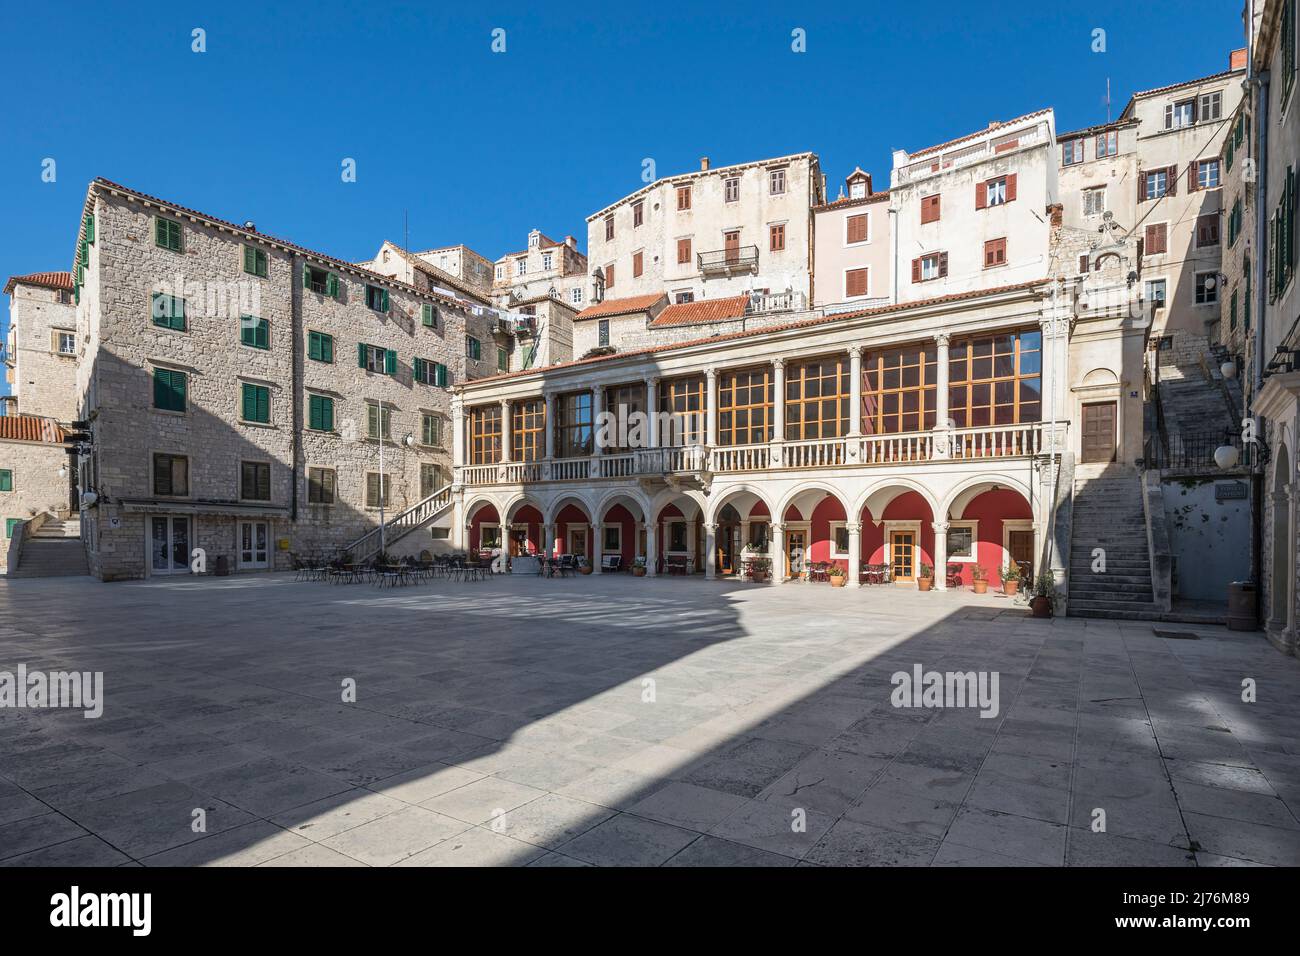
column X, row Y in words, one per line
column 620, row 721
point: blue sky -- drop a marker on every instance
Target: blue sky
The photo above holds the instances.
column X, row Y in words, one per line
column 479, row 147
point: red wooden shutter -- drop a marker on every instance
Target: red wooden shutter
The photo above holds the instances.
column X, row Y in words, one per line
column 943, row 264
column 1083, row 263
column 1142, row 186
column 1193, row 170
column 1172, row 179
column 1011, row 186
column 856, row 282
column 981, row 195
column 916, row 270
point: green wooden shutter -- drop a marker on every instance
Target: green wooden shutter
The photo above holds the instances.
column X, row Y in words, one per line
column 327, row 348
column 390, row 362
column 90, row 228
column 250, row 403
column 250, row 260
column 332, row 286
column 361, row 354
column 426, row 314
column 383, row 300
column 440, row 376
column 6, row 480
column 306, row 276
column 417, row 369
column 327, row 414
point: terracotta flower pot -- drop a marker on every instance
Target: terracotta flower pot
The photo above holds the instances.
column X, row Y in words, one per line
column 980, row 587
column 638, row 572
column 924, row 584
column 586, row 569
column 1010, row 587
column 838, row 582
column 1041, row 606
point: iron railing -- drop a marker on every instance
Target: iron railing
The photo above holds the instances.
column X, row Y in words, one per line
column 736, row 259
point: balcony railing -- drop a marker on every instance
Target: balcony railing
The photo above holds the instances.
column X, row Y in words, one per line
column 764, row 303
column 958, row 157
column 960, row 444
column 734, row 261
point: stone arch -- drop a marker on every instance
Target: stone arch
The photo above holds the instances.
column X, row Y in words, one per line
column 804, row 487
column 624, row 496
column 717, row 501
column 670, row 496
column 954, row 505
column 876, row 498
column 1099, row 377
column 517, row 500
column 559, row 503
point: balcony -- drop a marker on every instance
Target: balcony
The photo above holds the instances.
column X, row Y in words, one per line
column 699, row 462
column 766, row 303
column 738, row 260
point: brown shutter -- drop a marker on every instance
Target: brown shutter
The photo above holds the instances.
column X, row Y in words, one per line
column 943, row 264
column 1011, row 186
column 916, row 270
column 1193, row 171
column 981, row 195
column 1142, row 186
column 1083, row 263
column 1172, row 179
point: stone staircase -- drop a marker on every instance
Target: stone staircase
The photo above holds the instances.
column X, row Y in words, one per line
column 53, row 550
column 1108, row 514
column 1194, row 395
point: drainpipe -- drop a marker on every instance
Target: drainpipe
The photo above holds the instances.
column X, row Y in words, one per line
column 296, row 376
column 893, row 243
column 1260, row 83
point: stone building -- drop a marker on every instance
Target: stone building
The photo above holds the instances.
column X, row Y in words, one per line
column 35, row 484
column 852, row 248
column 544, row 268
column 41, row 351
column 239, row 388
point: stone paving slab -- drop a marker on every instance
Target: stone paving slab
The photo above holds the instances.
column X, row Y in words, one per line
column 616, row 721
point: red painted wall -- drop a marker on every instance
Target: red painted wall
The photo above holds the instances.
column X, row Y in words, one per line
column 571, row 514
column 619, row 515
column 991, row 509
column 485, row 515
column 533, row 518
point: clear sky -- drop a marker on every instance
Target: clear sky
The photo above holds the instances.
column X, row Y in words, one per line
column 479, row 147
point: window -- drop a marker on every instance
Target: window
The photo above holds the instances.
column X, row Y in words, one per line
column 684, row 296
column 6, row 479
column 255, row 261
column 431, row 479
column 677, row 537
column 1071, row 152
column 776, row 237
column 1232, row 309
column 731, row 189
column 473, row 348
column 1156, row 293
column 1207, row 174
column 547, row 259
column 320, row 281
column 501, row 273
column 745, row 406
column 856, row 228
column 485, row 435
column 429, row 315
column 624, row 401
column 929, row 209
column 575, row 295
column 320, row 413
column 1157, row 240
column 573, row 430
column 1107, row 144
column 997, row 191
column 379, row 421
column 1281, row 237
column 995, row 253
column 1207, row 230
column 636, row 264
column 1178, row 115
column 254, row 332
column 1209, row 107
column 528, row 430
column 169, row 389
column 1207, row 288
column 65, row 343
column 684, row 400
column 322, row 485
column 838, row 533
column 995, row 380
column 521, row 267
column 609, row 227
column 898, row 389
column 1234, row 222
column 1083, row 264
column 171, row 475
column 1156, row 183
column 255, row 403
column 320, row 347
column 168, row 312
column 609, row 276
column 378, row 489
column 817, row 399
column 10, row 525
column 430, row 373
column 611, row 541
column 638, row 213
column 961, row 541
column 372, row 358
column 855, row 282
column 933, row 265
column 683, row 251
column 167, row 234
column 430, row 430
column 376, row 298
column 683, row 198
column 1094, row 201
column 255, row 480
column 602, row 332
column 1286, row 46
column 776, row 181
column 503, row 360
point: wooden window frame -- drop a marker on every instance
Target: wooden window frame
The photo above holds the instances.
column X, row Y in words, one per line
column 321, row 491
column 170, row 461
column 485, row 434
column 324, row 343
column 967, row 364
column 776, row 237
column 685, row 399
column 258, row 392
column 528, row 430
column 745, row 395
column 684, row 252
column 259, row 468
column 866, row 288
column 683, row 198
column 888, row 380
column 574, row 425
column 632, row 397
column 865, row 219
column 998, row 249
column 817, row 398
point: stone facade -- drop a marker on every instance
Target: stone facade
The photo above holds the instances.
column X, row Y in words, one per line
column 34, row 484
column 544, row 268
column 42, row 348
column 852, row 248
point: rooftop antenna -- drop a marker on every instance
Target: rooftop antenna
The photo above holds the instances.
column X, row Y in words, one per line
column 406, row 231
column 1108, row 101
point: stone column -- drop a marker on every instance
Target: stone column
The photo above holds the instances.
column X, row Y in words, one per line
column 942, row 431
column 505, row 431
column 550, row 425
column 855, row 554
column 597, row 408
column 548, row 538
column 776, row 552
column 652, row 412
column 595, row 544
column 940, row 555
column 711, row 407
column 778, row 409
column 457, row 433
column 710, row 551
column 855, row 391
column 651, row 547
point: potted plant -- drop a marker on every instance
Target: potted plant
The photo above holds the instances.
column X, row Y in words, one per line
column 759, row 568
column 1044, row 600
column 979, row 579
column 1011, row 578
column 836, row 576
column 926, row 579
column 583, row 565
column 638, row 567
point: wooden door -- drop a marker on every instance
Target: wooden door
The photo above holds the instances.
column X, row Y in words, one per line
column 796, row 553
column 731, row 244
column 1020, row 545
column 726, row 543
column 902, row 557
column 1099, row 432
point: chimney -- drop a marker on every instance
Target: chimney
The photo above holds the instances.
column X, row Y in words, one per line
column 571, row 242
column 704, row 163
column 1237, row 59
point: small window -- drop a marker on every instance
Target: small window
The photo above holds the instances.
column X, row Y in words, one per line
column 376, row 298
column 612, row 542
column 602, row 332
column 168, row 312
column 10, row 525
column 637, row 260
column 933, row 265
column 677, row 537
column 255, row 261
column 609, row 227
column 686, row 296
column 1083, row 264
column 1156, row 240
column 322, row 485
column 167, row 234
column 503, row 360
column 1071, row 152
column 1208, row 174
column 254, row 332
column 1207, row 230
column 609, row 276
column 929, row 209
column 1178, row 115
column 6, row 479
column 501, row 273
column 1156, row 293
column 1207, row 288
column 169, row 388
column 431, row 479
column 995, row 253
column 776, row 181
column 1094, row 201
column 473, row 348
column 430, row 430
column 171, row 475
column 255, row 405
column 320, row 413
column 961, row 542
column 379, row 420
column 430, row 373
column 429, row 315
column 856, row 228
column 1107, row 144
column 372, row 358
column 374, row 482
column 776, row 237
column 320, row 347
column 255, row 480
column 1209, row 107
column 683, row 252
column 638, row 213
column 546, row 261
column 996, row 191
column 521, row 267
column 575, row 295
column 65, row 343
column 1157, row 184
column 320, row 281
column 855, row 283
column 731, row 189
column 683, row 198
column 839, row 535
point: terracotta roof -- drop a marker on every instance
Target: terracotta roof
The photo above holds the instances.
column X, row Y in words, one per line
column 30, row 428
column 553, row 300
column 1175, row 86
column 635, row 303
column 444, row 278
column 1097, row 128
column 767, row 330
column 50, row 280
column 101, row 182
column 848, row 201
column 705, row 310
column 988, row 129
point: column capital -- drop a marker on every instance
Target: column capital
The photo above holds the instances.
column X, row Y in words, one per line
column 853, row 527
column 855, row 351
column 711, row 372
column 776, row 526
column 652, row 380
column 939, row 527
column 941, row 339
column 710, row 527
column 778, row 362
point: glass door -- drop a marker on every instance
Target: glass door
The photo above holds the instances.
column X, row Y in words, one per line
column 902, row 556
column 169, row 544
column 796, row 553
column 254, row 551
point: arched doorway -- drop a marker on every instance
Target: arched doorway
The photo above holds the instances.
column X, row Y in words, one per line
column 1283, row 573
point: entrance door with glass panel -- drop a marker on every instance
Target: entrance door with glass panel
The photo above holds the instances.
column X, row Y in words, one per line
column 254, row 544
column 796, row 553
column 169, row 544
column 902, row 557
